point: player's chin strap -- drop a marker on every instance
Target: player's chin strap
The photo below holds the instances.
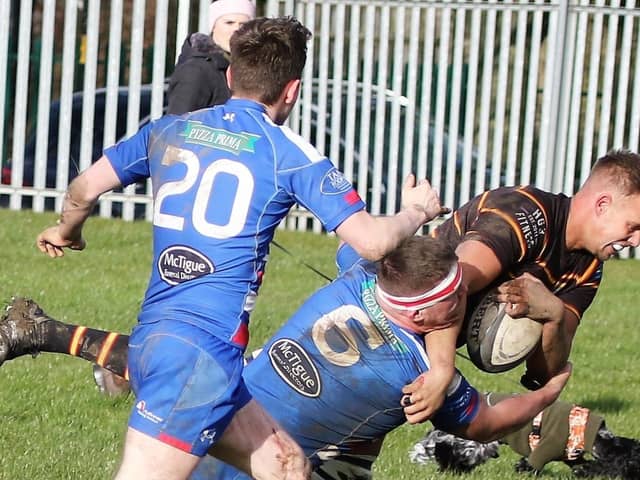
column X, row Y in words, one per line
column 442, row 290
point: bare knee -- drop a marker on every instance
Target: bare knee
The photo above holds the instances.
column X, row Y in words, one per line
column 257, row 444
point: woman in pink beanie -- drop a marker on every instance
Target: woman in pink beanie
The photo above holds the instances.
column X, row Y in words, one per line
column 226, row 16
column 199, row 79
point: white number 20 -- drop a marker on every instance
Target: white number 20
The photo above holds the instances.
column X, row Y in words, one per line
column 205, row 195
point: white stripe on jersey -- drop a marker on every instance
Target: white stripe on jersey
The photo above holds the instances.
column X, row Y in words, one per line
column 311, row 152
column 420, row 348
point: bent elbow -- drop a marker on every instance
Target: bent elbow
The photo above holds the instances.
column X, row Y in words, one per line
column 370, row 248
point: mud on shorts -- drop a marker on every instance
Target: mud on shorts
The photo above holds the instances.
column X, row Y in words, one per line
column 188, row 384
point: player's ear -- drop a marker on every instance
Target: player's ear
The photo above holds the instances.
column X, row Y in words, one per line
column 603, row 203
column 228, row 75
column 291, row 91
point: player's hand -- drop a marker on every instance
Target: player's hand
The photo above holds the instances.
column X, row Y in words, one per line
column 425, row 395
column 52, row 243
column 421, row 198
column 527, row 296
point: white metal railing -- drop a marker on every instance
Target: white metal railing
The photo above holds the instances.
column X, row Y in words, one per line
column 471, row 93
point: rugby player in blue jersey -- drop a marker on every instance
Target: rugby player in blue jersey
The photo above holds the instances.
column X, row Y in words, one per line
column 333, row 375
column 223, row 179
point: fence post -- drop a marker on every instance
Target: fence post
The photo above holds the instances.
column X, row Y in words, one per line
column 556, row 134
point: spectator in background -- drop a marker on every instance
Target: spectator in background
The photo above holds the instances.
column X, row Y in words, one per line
column 199, row 79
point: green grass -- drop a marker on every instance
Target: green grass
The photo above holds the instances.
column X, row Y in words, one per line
column 54, row 424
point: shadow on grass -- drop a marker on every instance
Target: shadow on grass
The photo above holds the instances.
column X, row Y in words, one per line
column 606, row 404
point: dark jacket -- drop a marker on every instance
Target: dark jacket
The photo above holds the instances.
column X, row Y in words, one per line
column 199, row 79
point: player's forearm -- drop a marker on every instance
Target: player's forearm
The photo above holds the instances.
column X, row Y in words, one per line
column 373, row 237
column 76, row 208
column 441, row 348
column 554, row 350
column 83, row 193
column 509, row 415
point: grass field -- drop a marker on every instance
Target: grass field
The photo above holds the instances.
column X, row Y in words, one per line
column 54, row 424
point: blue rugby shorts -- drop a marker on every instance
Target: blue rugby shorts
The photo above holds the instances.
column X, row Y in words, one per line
column 188, row 384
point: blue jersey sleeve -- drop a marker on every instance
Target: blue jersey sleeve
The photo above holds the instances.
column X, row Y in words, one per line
column 460, row 406
column 130, row 158
column 323, row 190
column 346, row 257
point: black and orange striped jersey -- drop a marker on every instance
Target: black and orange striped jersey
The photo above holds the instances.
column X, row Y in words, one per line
column 525, row 227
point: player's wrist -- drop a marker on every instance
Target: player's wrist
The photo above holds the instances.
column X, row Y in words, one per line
column 416, row 215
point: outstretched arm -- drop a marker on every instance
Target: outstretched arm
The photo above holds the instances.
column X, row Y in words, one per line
column 495, row 421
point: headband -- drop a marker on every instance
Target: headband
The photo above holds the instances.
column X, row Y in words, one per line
column 445, row 288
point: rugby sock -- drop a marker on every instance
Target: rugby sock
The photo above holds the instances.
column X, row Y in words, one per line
column 107, row 349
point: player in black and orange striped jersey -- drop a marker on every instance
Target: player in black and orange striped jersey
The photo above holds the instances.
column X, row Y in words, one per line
column 543, row 252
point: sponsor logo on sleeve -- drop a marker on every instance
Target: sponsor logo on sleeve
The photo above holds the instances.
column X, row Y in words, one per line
column 179, row 264
column 334, row 183
column 295, row 367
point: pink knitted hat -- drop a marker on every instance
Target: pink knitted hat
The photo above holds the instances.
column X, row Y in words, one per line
column 226, row 7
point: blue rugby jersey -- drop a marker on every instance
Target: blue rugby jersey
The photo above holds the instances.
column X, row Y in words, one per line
column 333, row 374
column 223, row 178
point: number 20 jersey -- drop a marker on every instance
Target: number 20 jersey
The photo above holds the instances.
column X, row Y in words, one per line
column 223, row 178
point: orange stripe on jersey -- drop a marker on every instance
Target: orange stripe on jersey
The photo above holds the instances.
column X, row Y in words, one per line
column 573, row 310
column 515, row 227
column 76, row 341
column 595, row 264
column 456, row 222
column 126, row 374
column 482, row 200
column 580, row 279
column 543, row 265
column 106, row 347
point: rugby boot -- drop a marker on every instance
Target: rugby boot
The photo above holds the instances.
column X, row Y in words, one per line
column 109, row 383
column 22, row 329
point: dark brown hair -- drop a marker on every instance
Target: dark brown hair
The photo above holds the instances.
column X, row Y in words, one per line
column 266, row 54
column 415, row 265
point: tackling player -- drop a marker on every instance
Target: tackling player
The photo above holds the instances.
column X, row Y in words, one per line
column 223, row 179
column 333, row 375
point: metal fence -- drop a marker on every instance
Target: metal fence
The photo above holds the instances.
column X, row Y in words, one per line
column 471, row 94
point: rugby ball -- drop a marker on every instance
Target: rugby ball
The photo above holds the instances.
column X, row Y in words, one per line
column 497, row 342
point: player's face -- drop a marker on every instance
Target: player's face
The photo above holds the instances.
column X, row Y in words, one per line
column 443, row 314
column 224, row 28
column 619, row 226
